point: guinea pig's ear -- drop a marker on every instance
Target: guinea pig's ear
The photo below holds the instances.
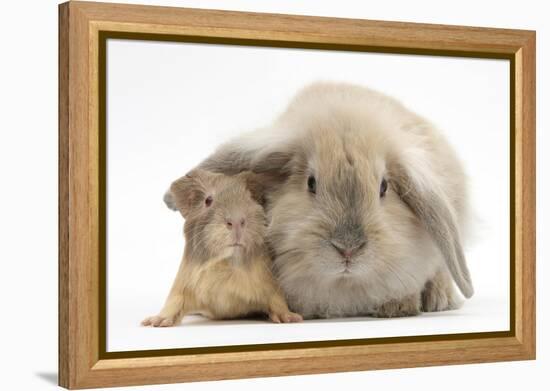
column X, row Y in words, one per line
column 187, row 193
column 437, row 215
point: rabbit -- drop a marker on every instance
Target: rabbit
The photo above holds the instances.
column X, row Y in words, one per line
column 367, row 204
column 226, row 269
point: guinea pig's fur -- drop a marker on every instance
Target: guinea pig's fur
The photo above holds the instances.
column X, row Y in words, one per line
column 206, row 232
column 343, row 244
column 226, row 269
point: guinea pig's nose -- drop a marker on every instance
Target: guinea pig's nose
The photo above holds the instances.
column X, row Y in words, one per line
column 235, row 222
column 236, row 225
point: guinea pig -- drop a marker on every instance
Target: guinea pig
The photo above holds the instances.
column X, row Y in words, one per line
column 226, row 268
column 367, row 204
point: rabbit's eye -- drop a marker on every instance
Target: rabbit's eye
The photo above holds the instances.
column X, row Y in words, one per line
column 311, row 184
column 383, row 187
column 208, row 201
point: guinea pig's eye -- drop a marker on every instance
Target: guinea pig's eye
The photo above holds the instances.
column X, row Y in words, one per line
column 383, row 187
column 311, row 184
column 208, row 201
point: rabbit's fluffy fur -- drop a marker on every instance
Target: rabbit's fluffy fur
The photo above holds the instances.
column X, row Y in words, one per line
column 405, row 243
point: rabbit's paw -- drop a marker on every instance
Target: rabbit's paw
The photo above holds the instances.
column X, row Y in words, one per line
column 439, row 294
column 408, row 306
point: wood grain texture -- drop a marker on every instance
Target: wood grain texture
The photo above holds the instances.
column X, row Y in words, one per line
column 78, row 279
column 292, row 28
column 80, row 24
column 526, row 185
column 63, row 197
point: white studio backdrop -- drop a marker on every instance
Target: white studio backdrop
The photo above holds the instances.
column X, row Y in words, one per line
column 169, row 106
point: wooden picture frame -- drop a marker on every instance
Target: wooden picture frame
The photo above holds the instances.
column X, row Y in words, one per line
column 83, row 30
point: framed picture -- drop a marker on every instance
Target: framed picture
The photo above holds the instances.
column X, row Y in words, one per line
column 347, row 195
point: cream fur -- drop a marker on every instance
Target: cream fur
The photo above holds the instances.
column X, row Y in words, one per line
column 217, row 278
column 406, row 243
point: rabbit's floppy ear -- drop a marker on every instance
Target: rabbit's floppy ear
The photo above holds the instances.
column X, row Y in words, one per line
column 260, row 155
column 434, row 210
column 187, row 192
column 257, row 184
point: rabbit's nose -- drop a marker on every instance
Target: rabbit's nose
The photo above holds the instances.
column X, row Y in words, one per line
column 347, row 251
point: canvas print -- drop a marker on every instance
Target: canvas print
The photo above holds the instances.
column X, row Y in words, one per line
column 268, row 195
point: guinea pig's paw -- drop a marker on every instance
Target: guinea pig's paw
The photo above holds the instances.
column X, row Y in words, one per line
column 285, row 317
column 293, row 317
column 408, row 306
column 158, row 321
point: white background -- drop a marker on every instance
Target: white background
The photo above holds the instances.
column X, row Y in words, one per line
column 170, row 104
column 28, row 157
